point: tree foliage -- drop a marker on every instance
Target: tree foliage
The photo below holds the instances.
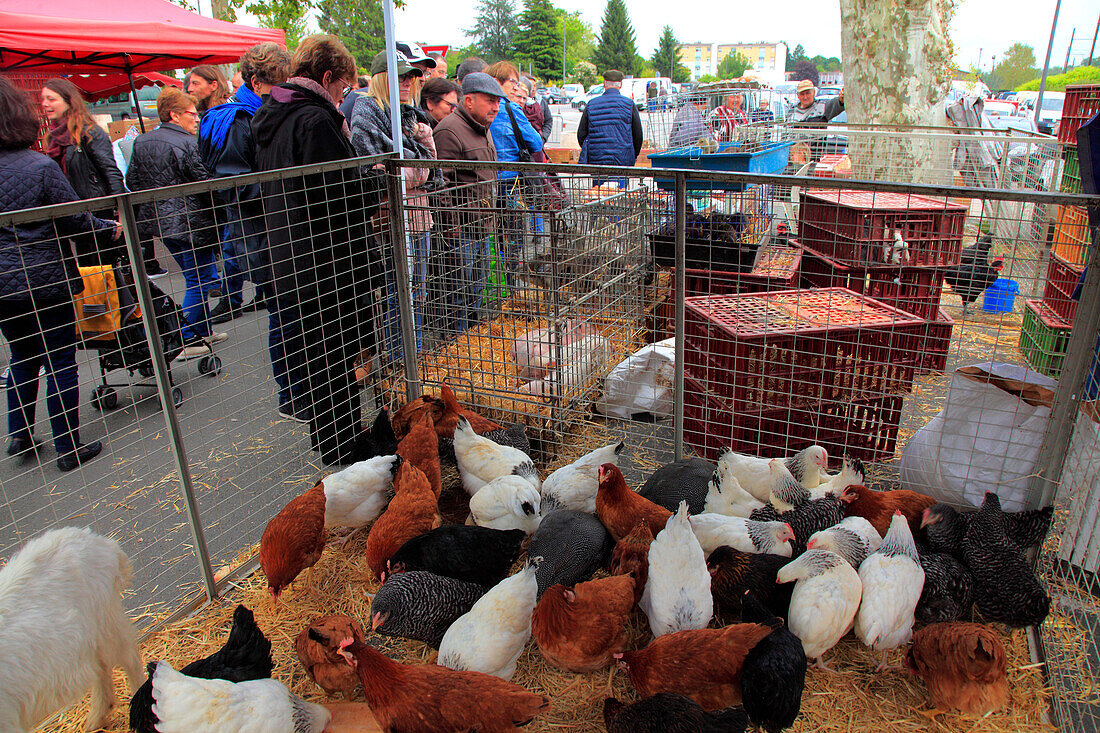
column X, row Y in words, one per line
column 798, row 54
column 584, row 73
column 289, row 15
column 733, row 65
column 494, row 29
column 539, row 37
column 666, row 57
column 580, row 39
column 1016, row 67
column 804, row 69
column 617, row 46
column 1059, row 82
column 358, row 23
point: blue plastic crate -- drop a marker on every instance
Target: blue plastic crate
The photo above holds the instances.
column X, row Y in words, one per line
column 770, row 158
column 1000, row 297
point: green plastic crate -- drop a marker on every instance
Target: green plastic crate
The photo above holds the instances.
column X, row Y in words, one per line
column 1071, row 173
column 1044, row 338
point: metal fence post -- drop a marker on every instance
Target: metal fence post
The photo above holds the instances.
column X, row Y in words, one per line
column 403, row 278
column 163, row 378
column 680, row 286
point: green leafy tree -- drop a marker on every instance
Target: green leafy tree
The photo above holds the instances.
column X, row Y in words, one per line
column 803, row 69
column 289, row 15
column 580, row 40
column 1059, row 82
column 457, row 55
column 584, row 73
column 358, row 23
column 798, row 54
column 539, row 37
column 666, row 57
column 707, row 78
column 1016, row 67
column 617, row 46
column 494, row 29
column 733, row 65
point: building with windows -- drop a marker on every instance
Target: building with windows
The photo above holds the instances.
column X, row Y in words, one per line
column 769, row 60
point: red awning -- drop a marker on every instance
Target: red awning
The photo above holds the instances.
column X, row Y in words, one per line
column 97, row 86
column 78, row 36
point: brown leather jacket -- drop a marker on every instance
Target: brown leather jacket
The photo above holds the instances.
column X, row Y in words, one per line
column 459, row 137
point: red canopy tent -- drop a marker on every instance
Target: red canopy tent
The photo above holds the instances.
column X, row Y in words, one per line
column 98, row 86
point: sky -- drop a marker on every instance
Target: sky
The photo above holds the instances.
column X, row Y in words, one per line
column 981, row 28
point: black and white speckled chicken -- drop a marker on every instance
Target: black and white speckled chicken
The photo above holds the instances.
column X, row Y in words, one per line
column 812, row 516
column 685, row 480
column 733, row 572
column 480, row 555
column 1005, row 587
column 421, row 605
column 948, row 593
column 774, row 673
column 667, row 712
column 515, row 435
column 944, row 527
column 573, row 546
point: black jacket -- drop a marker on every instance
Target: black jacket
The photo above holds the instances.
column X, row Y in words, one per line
column 34, row 261
column 317, row 223
column 235, row 157
column 167, row 156
column 91, row 167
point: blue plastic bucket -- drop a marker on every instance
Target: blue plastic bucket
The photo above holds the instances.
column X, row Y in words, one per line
column 1000, row 296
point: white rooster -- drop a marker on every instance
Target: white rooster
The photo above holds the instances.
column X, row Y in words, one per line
column 854, row 539
column 490, row 636
column 824, row 601
column 508, row 502
column 892, row 583
column 747, row 535
column 725, row 495
column 575, row 486
column 785, row 493
column 677, row 593
column 355, row 496
column 190, row 705
column 807, row 466
column 480, row 460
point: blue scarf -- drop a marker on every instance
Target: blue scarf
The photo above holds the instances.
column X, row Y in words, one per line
column 215, row 123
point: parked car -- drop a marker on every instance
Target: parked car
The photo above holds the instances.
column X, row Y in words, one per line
column 997, row 108
column 572, row 91
column 593, row 91
column 121, row 104
column 1051, row 112
column 556, row 96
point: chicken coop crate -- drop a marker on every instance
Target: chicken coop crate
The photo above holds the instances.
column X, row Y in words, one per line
column 1044, row 338
column 860, row 228
column 1071, row 234
column 1082, row 101
column 915, row 290
column 1062, row 281
column 1071, row 173
column 798, row 347
column 933, row 349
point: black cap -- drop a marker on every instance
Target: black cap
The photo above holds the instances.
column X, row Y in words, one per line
column 613, row 75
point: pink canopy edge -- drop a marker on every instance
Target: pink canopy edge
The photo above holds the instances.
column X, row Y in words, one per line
column 97, row 86
column 73, row 36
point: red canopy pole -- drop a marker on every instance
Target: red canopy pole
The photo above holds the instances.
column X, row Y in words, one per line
column 133, row 94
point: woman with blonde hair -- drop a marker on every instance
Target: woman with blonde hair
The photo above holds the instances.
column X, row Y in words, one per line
column 83, row 150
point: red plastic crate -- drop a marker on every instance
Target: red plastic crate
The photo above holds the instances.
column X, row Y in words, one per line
column 915, row 290
column 854, row 227
column 865, row 429
column 777, row 268
column 799, row 347
column 1062, row 278
column 937, row 342
column 1082, row 102
column 833, row 166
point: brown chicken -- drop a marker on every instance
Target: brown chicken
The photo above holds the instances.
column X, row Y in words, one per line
column 452, row 410
column 420, row 447
column 963, row 666
column 321, row 658
column 878, row 507
column 431, row 699
column 412, row 512
column 293, row 540
column 703, row 664
column 620, row 509
column 410, row 413
column 631, row 556
column 579, row 628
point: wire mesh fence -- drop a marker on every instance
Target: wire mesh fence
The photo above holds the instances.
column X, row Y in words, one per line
column 683, row 313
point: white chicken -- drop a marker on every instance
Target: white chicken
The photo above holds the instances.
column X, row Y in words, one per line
column 190, row 705
column 892, row 583
column 481, row 460
column 725, row 495
column 807, row 466
column 824, row 601
column 747, row 535
column 786, row 493
column 850, row 473
column 895, row 251
column 490, row 636
column 677, row 593
column 355, row 496
column 574, row 486
column 508, row 502
column 853, row 539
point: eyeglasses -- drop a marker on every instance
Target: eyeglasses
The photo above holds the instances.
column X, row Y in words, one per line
column 408, row 76
column 190, row 113
column 347, row 91
column 513, row 82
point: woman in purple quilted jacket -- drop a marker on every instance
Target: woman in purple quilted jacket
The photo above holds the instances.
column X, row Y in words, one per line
column 38, row 278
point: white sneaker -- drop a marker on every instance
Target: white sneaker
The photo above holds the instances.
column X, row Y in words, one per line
column 217, row 338
column 193, row 352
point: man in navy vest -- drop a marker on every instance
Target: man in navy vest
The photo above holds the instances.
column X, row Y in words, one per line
column 610, row 131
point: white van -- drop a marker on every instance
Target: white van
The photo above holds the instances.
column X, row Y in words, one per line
column 572, row 91
column 637, row 89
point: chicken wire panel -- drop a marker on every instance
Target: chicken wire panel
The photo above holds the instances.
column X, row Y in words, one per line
column 711, row 113
column 130, row 491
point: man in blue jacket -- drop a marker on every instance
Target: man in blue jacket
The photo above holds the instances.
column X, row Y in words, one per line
column 610, row 131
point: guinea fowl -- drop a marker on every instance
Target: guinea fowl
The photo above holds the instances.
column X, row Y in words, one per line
column 573, row 546
column 975, row 271
column 685, row 480
column 515, row 436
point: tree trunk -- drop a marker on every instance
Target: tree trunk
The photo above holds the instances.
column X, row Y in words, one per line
column 897, row 60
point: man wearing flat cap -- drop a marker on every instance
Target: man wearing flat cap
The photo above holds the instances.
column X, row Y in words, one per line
column 610, row 131
column 809, row 109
